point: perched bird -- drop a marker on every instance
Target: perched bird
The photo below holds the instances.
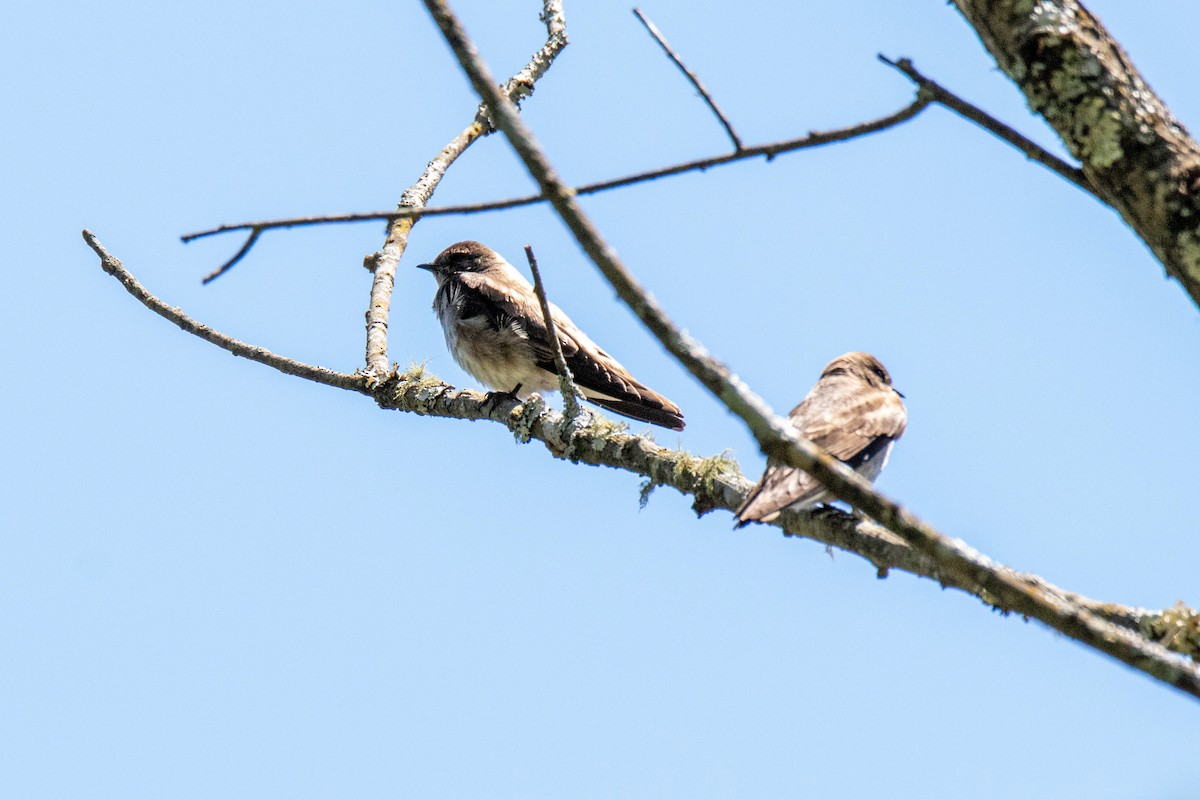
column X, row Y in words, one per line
column 495, row 330
column 854, row 414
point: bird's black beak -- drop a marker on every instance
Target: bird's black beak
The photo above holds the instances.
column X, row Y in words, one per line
column 429, row 267
column 897, row 391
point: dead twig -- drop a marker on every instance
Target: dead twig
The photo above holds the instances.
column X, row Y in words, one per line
column 691, row 76
column 566, row 381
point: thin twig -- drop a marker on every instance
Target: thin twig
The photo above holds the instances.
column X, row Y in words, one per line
column 285, row 365
column 566, row 381
column 770, row 150
column 691, row 76
column 977, row 115
column 384, row 262
column 952, row 557
column 238, row 256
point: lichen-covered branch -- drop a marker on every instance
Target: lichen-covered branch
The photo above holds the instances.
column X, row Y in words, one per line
column 384, row 262
column 1137, row 157
column 713, row 483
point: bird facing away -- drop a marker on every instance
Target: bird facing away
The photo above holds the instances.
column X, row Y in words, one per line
column 854, row 414
column 496, row 332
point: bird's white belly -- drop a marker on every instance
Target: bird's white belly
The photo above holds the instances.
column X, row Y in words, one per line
column 500, row 360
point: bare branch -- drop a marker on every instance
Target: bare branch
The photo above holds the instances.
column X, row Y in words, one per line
column 238, row 256
column 691, row 76
column 566, row 381
column 972, row 113
column 285, row 365
column 770, row 150
column 952, row 557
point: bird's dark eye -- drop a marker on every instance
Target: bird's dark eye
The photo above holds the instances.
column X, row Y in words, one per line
column 879, row 373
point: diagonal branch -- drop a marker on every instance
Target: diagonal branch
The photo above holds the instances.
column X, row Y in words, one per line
column 977, row 115
column 691, row 76
column 285, row 365
column 383, row 263
column 952, row 557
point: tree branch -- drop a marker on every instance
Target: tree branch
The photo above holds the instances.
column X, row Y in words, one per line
column 566, row 381
column 285, row 365
column 691, row 76
column 1139, row 159
column 383, row 263
column 953, row 558
column 714, row 482
column 770, row 150
column 977, row 115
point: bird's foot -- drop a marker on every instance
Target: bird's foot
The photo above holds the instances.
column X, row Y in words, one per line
column 492, row 400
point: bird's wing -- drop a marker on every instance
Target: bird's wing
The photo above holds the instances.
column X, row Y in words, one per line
column 853, row 426
column 601, row 377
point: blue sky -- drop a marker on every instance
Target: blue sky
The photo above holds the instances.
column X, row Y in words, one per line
column 220, row 581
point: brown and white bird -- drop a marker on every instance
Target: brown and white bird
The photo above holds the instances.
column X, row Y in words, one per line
column 496, row 332
column 854, row 414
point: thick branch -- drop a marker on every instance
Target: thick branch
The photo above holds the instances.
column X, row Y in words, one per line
column 383, row 263
column 953, row 558
column 1137, row 156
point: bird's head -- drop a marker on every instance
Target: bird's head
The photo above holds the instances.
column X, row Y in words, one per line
column 460, row 257
column 863, row 366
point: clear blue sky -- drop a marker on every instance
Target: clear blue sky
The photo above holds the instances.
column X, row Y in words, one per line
column 217, row 581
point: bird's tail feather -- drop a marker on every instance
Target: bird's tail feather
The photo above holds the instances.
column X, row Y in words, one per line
column 633, row 409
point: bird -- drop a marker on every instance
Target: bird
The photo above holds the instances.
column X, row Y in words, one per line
column 495, row 330
column 854, row 414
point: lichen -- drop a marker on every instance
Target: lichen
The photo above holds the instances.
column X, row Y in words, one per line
column 1177, row 628
column 526, row 417
column 1098, row 131
column 1187, row 253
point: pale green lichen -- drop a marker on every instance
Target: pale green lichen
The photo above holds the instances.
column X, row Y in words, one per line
column 1177, row 629
column 416, row 376
column 1187, row 253
column 1098, row 132
column 1066, row 82
column 707, row 470
column 525, row 416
